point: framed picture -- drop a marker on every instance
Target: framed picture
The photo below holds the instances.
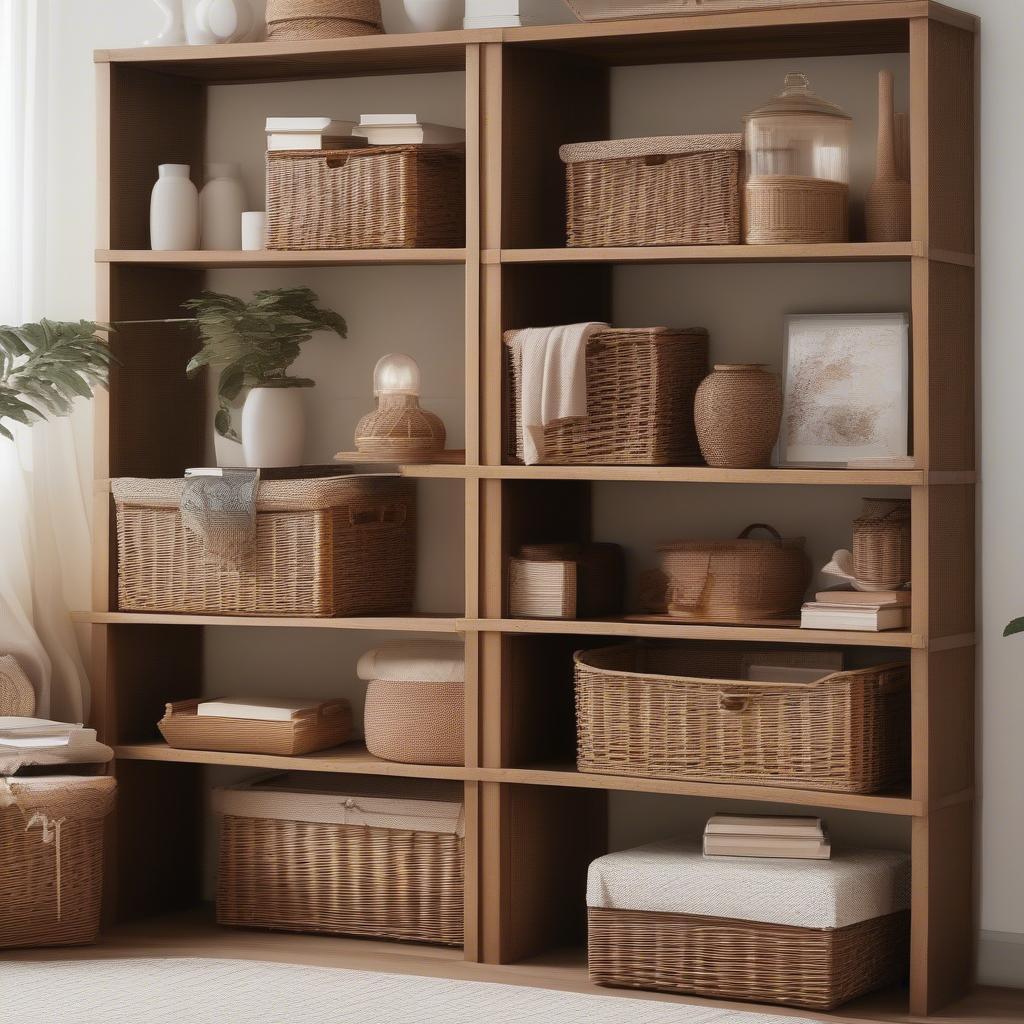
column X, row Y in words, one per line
column 846, row 388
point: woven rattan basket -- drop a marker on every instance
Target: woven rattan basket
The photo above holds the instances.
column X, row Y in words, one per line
column 323, row 19
column 17, row 696
column 676, row 713
column 609, row 10
column 324, row 547
column 881, row 543
column 566, row 581
column 784, row 210
column 641, row 384
column 416, row 722
column 327, row 725
column 670, row 190
column 51, row 859
column 381, row 197
column 380, row 859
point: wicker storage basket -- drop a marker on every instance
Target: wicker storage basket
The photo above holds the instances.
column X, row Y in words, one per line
column 608, row 10
column 17, row 696
column 382, row 858
column 670, row 190
column 846, row 930
column 416, row 722
column 51, row 859
column 325, row 547
column 380, row 197
column 676, row 713
column 641, row 383
column 323, row 19
column 566, row 581
column 328, row 725
column 881, row 543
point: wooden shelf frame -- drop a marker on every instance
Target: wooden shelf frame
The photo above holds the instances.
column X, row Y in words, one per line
column 533, row 822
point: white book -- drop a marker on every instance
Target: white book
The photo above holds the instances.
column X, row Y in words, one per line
column 320, row 125
column 727, row 846
column 388, row 120
column 864, row 619
column 493, row 21
column 430, row 134
column 793, row 827
column 257, row 709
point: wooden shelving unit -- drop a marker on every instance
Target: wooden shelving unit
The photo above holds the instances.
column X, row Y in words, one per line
column 533, row 821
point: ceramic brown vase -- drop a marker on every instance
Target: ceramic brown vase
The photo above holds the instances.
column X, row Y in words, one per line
column 737, row 411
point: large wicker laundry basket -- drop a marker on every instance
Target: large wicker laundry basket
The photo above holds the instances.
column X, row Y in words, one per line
column 51, row 858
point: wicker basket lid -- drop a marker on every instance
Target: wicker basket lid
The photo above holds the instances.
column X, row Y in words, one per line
column 655, row 145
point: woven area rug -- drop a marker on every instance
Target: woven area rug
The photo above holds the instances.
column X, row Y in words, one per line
column 192, row 991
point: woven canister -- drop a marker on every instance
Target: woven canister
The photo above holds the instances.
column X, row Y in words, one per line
column 737, row 412
column 323, row 19
column 881, row 543
column 17, row 697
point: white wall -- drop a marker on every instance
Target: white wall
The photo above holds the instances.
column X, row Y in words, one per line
column 82, row 25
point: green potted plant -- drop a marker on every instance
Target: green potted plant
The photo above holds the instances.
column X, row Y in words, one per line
column 1016, row 626
column 45, row 366
column 254, row 343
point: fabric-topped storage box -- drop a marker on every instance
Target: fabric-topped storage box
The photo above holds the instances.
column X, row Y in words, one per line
column 813, row 934
column 374, row 856
column 51, row 858
column 323, row 547
column 666, row 190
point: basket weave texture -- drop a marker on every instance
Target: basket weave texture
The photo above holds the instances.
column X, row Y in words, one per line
column 566, row 581
column 790, row 210
column 337, row 546
column 641, row 384
column 17, row 696
column 323, row 19
column 720, row 958
column 50, row 893
column 664, row 712
column 382, row 197
column 881, row 543
column 416, row 722
column 686, row 193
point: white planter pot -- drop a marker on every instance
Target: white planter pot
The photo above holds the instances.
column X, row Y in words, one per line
column 434, row 15
column 229, row 454
column 174, row 210
column 223, row 21
column 221, row 204
column 273, row 427
column 172, row 32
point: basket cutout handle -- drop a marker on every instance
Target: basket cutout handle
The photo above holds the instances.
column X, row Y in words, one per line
column 383, row 515
column 759, row 526
column 655, row 160
column 733, row 703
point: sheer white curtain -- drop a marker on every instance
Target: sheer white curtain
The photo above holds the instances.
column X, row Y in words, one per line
column 45, row 563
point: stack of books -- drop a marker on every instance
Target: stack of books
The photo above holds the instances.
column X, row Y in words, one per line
column 310, row 133
column 750, row 835
column 851, row 609
column 256, row 709
column 405, row 129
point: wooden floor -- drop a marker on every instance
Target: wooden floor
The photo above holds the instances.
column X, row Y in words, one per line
column 195, row 935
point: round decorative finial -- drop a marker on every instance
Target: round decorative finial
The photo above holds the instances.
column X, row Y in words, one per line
column 396, row 374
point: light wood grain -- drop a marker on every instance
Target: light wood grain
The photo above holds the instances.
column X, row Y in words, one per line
column 402, row 624
column 266, row 258
column 831, row 253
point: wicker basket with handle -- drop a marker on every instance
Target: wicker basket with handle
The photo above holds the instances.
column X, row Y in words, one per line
column 671, row 190
column 380, row 197
column 323, row 19
column 324, row 547
column 641, row 384
column 676, row 713
column 610, row 10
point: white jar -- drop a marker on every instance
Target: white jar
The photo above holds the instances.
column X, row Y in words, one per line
column 434, row 15
column 220, row 208
column 273, row 427
column 254, row 231
column 174, row 211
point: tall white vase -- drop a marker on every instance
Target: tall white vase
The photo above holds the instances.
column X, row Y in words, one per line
column 174, row 210
column 273, row 427
column 220, row 208
column 172, row 33
column 434, row 15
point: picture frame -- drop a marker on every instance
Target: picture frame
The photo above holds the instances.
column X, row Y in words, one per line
column 846, row 389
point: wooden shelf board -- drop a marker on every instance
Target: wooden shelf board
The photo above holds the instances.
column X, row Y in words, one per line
column 443, row 464
column 403, row 624
column 685, row 631
column 829, row 253
column 266, row 258
column 707, row 475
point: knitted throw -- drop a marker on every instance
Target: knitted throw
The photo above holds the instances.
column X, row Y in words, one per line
column 220, row 511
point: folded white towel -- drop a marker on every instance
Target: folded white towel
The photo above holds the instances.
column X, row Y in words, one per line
column 33, row 742
column 553, row 380
column 423, row 661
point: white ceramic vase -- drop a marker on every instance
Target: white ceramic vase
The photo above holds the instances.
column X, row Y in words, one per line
column 229, row 453
column 222, row 21
column 221, row 204
column 174, row 210
column 434, row 15
column 173, row 31
column 273, row 427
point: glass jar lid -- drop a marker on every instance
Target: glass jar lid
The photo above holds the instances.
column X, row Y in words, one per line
column 797, row 99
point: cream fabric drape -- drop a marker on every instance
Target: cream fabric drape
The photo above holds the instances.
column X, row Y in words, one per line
column 45, row 564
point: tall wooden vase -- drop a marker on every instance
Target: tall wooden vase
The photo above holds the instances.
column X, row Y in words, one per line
column 887, row 207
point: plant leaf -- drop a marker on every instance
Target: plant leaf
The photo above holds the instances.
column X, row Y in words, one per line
column 1016, row 626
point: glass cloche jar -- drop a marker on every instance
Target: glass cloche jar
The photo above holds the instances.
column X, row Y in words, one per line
column 798, row 169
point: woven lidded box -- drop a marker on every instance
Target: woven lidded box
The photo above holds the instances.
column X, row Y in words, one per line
column 803, row 933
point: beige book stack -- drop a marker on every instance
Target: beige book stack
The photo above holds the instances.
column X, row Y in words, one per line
column 750, row 835
column 870, row 611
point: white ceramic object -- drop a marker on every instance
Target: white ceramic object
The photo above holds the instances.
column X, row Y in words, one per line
column 220, row 208
column 492, row 14
column 174, row 211
column 224, row 21
column 173, row 31
column 434, row 15
column 229, row 453
column 254, row 230
column 273, row 427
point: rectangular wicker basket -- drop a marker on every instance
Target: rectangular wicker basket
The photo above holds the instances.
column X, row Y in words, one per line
column 382, row 859
column 676, row 713
column 324, row 547
column 719, row 958
column 51, row 891
column 641, row 383
column 670, row 190
column 380, row 197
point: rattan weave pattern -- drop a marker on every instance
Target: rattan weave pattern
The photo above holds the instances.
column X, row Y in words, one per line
column 340, row 880
column 794, row 210
column 662, row 712
column 17, row 696
column 881, row 543
column 641, row 384
column 323, row 19
column 416, row 722
column 382, row 197
column 719, row 958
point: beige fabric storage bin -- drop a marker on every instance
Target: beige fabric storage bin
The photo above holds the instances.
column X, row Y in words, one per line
column 813, row 934
column 566, row 581
column 375, row 857
column 51, row 858
column 324, row 547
